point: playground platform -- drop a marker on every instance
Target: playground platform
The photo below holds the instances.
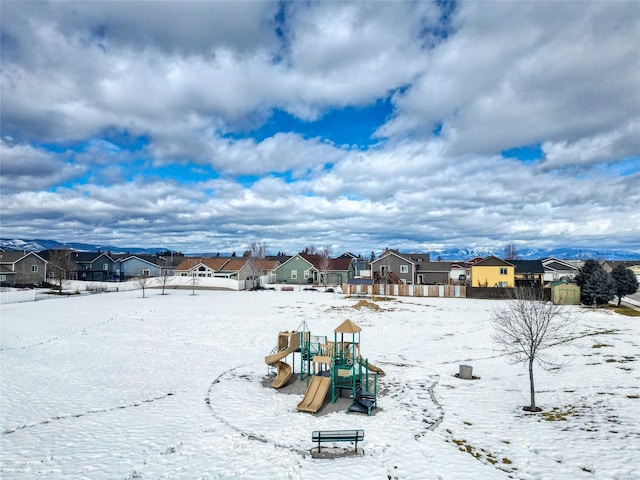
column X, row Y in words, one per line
column 296, row 387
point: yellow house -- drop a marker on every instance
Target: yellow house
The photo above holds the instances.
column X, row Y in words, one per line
column 493, row 272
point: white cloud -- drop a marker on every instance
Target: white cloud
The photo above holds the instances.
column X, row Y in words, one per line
column 27, row 168
column 612, row 146
column 563, row 75
column 519, row 73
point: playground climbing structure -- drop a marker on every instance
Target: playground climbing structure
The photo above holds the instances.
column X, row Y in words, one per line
column 327, row 366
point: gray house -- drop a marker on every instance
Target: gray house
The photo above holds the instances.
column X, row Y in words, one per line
column 556, row 269
column 93, row 266
column 395, row 267
column 126, row 267
column 22, row 269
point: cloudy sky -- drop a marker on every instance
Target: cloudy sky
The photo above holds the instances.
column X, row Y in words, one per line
column 203, row 126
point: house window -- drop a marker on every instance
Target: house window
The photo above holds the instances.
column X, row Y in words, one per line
column 294, row 274
column 34, row 268
column 503, row 271
column 146, row 272
column 404, row 268
column 105, row 266
column 502, row 284
column 306, row 274
column 3, row 278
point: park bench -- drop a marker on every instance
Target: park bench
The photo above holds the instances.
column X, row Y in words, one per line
column 324, row 436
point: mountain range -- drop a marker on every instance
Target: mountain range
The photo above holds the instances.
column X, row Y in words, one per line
column 444, row 254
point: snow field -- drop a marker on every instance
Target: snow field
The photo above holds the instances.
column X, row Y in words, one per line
column 115, row 386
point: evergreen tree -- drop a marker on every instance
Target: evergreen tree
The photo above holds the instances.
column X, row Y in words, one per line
column 596, row 285
column 624, row 282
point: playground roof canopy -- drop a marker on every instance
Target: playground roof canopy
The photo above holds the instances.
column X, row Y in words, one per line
column 347, row 327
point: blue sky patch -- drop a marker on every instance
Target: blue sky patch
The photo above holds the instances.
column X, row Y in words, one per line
column 341, row 126
column 526, row 153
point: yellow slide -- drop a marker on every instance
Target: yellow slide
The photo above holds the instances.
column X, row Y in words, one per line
column 317, row 391
column 283, row 376
column 373, row 368
column 288, row 342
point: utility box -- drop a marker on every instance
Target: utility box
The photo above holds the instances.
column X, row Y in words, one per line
column 466, row 372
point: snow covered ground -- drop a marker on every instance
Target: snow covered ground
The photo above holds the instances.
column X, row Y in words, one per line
column 116, row 386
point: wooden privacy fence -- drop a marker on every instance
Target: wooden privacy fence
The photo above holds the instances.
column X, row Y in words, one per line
column 396, row 290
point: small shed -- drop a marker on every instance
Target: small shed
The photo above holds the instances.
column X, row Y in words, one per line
column 564, row 293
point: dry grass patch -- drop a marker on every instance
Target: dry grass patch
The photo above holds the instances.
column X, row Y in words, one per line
column 623, row 310
column 560, row 415
column 482, row 454
column 366, row 304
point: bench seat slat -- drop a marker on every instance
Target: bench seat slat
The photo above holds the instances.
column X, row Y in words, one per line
column 322, row 436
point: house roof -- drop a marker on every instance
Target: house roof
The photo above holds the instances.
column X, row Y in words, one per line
column 268, row 264
column 562, row 282
column 277, row 258
column 233, row 264
column 46, row 254
column 626, row 264
column 88, row 257
column 16, row 256
column 528, row 266
column 347, row 327
column 435, row 267
column 415, row 257
column 556, row 264
column 418, row 257
column 150, row 259
column 492, row 261
column 11, row 257
column 341, row 264
column 215, row 263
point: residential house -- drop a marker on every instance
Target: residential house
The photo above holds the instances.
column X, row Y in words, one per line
column 395, row 267
column 266, row 270
column 493, row 272
column 199, row 266
column 528, row 273
column 93, row 266
column 459, row 273
column 306, row 268
column 555, row 270
column 22, row 269
column 360, row 264
column 437, row 273
column 236, row 268
column 126, row 267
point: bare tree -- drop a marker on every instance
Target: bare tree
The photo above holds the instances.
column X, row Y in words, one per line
column 527, row 327
column 194, row 282
column 255, row 256
column 165, row 278
column 511, row 252
column 142, row 280
column 324, row 264
column 62, row 267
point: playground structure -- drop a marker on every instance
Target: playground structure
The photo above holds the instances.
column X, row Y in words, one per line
column 326, row 365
